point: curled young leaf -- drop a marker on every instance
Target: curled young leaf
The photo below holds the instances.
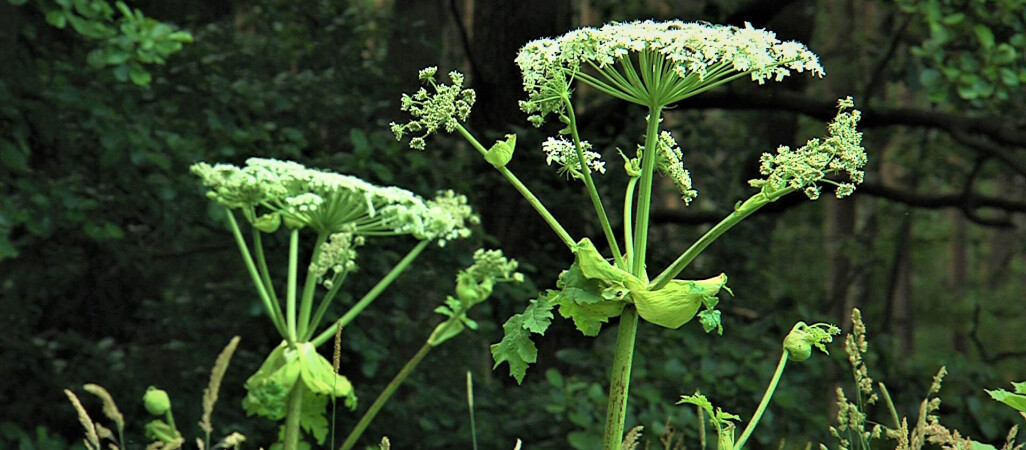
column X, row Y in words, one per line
column 502, row 152
column 799, row 342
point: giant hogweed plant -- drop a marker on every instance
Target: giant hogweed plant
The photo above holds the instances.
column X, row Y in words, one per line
column 295, row 382
column 288, row 367
column 654, row 65
column 341, row 212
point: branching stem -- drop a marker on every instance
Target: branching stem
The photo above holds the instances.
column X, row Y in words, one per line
column 596, row 201
column 524, row 191
column 371, row 295
column 273, row 310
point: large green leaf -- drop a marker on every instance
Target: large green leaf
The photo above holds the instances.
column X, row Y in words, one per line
column 515, row 348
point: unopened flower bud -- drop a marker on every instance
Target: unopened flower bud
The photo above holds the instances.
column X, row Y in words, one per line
column 268, row 223
column 798, row 346
column 156, row 401
column 802, row 338
column 502, row 152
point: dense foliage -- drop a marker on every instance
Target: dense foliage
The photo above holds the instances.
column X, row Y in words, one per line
column 114, row 269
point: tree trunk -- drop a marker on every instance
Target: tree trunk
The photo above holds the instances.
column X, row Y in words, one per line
column 833, row 41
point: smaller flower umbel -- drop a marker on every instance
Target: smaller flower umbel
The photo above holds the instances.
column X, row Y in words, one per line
column 562, row 153
column 445, row 108
column 269, row 192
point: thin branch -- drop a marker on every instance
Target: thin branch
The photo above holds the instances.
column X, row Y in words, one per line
column 987, row 148
column 968, row 202
column 876, row 79
column 999, row 129
column 963, row 199
column 461, row 29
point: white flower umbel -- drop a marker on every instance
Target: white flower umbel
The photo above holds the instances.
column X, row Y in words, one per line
column 802, row 169
column 561, row 152
column 332, row 203
column 654, row 63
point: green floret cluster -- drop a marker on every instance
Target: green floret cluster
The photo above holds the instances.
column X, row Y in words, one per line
column 269, row 192
column 492, row 264
column 445, row 108
column 802, row 169
column 338, row 255
column 671, row 164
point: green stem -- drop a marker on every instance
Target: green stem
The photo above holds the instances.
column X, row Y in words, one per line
column 750, row 206
column 649, row 157
column 596, row 201
column 261, row 263
column 379, row 402
column 628, row 208
column 290, row 294
column 616, row 408
column 470, row 406
column 620, row 379
column 323, row 307
column 306, row 303
column 890, row 405
column 371, row 295
column 535, row 203
column 170, row 418
column 292, row 416
column 273, row 310
column 766, row 396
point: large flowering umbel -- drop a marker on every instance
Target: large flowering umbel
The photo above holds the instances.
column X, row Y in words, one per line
column 802, row 169
column 445, row 108
column 653, row 63
column 269, row 192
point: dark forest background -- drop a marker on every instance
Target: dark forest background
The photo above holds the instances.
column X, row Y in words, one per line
column 114, row 268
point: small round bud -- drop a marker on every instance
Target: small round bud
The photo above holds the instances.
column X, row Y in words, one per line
column 156, row 401
column 798, row 346
column 268, row 223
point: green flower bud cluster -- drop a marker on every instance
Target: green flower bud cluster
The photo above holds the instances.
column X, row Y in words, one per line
column 671, row 164
column 287, row 192
column 802, row 169
column 492, row 264
column 445, row 108
column 473, row 286
column 338, row 255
